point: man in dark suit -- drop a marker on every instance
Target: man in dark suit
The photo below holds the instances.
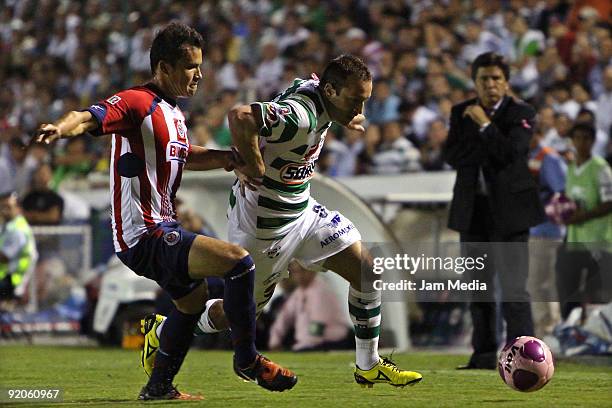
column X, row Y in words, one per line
column 495, row 200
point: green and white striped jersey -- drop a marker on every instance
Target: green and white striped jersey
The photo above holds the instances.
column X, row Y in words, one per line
column 292, row 130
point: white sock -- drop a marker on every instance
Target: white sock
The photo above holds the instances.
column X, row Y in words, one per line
column 205, row 325
column 364, row 309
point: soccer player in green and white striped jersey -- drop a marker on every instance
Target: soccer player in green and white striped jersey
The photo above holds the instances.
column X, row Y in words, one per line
column 278, row 221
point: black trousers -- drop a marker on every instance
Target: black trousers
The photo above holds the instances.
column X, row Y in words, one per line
column 583, row 276
column 507, row 265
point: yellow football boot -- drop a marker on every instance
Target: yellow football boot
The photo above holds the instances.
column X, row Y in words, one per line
column 386, row 372
column 148, row 327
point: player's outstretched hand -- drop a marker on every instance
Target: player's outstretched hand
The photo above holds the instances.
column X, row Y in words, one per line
column 357, row 123
column 47, row 133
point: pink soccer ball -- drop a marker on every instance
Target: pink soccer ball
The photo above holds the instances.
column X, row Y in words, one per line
column 560, row 208
column 526, row 364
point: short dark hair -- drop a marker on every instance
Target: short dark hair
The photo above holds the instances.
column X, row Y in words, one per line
column 585, row 111
column 489, row 59
column 340, row 69
column 587, row 128
column 168, row 44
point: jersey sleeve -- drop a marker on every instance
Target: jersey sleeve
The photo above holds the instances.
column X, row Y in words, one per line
column 281, row 121
column 13, row 242
column 122, row 112
column 605, row 184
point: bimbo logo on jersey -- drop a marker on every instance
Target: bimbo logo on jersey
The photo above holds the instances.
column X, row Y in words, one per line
column 294, row 173
column 176, row 151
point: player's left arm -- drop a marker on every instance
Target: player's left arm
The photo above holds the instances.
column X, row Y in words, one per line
column 604, row 207
column 201, row 158
column 72, row 124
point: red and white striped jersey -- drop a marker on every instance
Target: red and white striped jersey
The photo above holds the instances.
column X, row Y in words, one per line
column 149, row 150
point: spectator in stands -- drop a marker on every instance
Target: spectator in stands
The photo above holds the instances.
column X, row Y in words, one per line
column 602, row 139
column 562, row 100
column 478, row 41
column 313, row 312
column 589, row 232
column 41, row 205
column 20, row 162
column 528, row 43
column 395, row 154
column 371, row 140
column 74, row 162
column 604, row 102
column 404, row 43
column 431, row 151
column 558, row 136
column 17, row 248
column 383, row 106
column 270, row 70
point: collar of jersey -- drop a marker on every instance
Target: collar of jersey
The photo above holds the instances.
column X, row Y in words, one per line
column 157, row 91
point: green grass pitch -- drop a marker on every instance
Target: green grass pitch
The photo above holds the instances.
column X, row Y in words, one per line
column 112, row 377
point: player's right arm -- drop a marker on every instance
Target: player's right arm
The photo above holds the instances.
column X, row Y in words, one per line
column 72, row 124
column 245, row 137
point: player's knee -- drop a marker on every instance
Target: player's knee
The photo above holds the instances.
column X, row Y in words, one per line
column 241, row 267
column 236, row 253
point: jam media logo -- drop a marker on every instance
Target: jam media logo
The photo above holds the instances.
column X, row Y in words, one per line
column 176, row 151
column 172, row 238
column 294, row 173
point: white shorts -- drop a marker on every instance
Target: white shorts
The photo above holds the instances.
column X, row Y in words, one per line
column 315, row 236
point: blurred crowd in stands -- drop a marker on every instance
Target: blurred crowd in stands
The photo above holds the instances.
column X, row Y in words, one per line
column 58, row 55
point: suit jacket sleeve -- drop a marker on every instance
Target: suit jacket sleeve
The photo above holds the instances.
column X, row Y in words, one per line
column 503, row 149
column 461, row 149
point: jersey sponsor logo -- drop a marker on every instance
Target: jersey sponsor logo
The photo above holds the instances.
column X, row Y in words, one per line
column 336, row 235
column 322, row 211
column 273, row 114
column 176, row 151
column 274, row 252
column 313, row 153
column 172, row 238
column 294, row 173
column 334, row 222
column 113, row 99
column 181, row 130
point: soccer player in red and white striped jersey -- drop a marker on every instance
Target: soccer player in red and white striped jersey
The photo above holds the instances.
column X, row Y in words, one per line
column 150, row 149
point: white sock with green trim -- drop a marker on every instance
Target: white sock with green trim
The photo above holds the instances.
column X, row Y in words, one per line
column 364, row 309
